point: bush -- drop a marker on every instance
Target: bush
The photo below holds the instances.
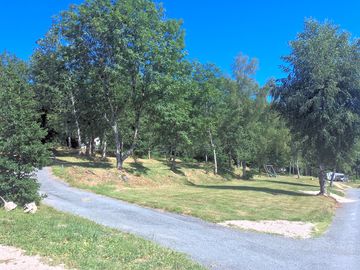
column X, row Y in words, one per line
column 249, row 175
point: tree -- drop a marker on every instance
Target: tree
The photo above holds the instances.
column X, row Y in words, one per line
column 239, row 127
column 320, row 97
column 207, row 101
column 21, row 149
column 120, row 55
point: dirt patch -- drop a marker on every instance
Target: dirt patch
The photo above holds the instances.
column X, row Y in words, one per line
column 95, row 177
column 14, row 259
column 337, row 198
column 286, row 228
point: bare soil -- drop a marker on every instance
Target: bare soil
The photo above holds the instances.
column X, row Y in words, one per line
column 286, row 228
column 14, row 259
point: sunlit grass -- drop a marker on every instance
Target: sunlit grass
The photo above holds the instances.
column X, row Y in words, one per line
column 82, row 244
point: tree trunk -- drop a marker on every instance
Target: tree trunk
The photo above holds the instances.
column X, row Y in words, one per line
column 214, row 153
column 118, row 151
column 76, row 121
column 93, row 147
column 87, row 149
column 243, row 169
column 128, row 153
column 104, row 149
column 297, row 169
column 322, row 180
column 206, row 158
column 290, row 168
column 173, row 161
column 149, row 153
column 237, row 162
column 332, row 178
column 230, row 160
column 69, row 142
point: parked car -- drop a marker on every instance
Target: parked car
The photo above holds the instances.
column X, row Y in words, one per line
column 340, row 177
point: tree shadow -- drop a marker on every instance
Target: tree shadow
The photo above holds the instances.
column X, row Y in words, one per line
column 175, row 169
column 65, row 153
column 290, row 183
column 190, row 165
column 85, row 164
column 137, row 167
column 257, row 189
column 229, row 175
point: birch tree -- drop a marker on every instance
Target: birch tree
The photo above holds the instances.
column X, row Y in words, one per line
column 320, row 97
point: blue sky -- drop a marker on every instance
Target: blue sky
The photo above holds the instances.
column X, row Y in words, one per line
column 216, row 31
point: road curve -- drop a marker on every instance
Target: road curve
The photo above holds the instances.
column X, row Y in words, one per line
column 214, row 246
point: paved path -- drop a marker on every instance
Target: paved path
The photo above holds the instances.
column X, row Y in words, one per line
column 215, row 246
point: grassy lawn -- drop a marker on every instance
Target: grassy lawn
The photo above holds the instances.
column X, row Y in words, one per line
column 82, row 244
column 193, row 190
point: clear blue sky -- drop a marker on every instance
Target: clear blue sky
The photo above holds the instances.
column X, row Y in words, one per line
column 216, row 30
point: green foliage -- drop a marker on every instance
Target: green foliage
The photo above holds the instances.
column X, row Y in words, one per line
column 21, row 149
column 249, row 175
column 320, row 98
column 116, row 59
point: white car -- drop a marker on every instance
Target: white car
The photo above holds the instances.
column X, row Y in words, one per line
column 337, row 177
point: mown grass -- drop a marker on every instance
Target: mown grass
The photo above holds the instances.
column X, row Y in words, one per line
column 193, row 190
column 82, row 244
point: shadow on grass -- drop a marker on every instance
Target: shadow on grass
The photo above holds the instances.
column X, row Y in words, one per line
column 290, row 183
column 85, row 164
column 137, row 167
column 86, row 161
column 190, row 165
column 257, row 189
column 175, row 169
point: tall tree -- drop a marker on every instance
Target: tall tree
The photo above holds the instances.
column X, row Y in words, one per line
column 21, row 149
column 207, row 100
column 320, row 97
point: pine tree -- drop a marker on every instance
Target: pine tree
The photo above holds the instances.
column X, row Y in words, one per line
column 21, row 149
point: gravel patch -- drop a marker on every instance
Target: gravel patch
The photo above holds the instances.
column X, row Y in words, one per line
column 286, row 228
column 14, row 259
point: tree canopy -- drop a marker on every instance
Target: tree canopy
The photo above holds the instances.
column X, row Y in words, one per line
column 320, row 97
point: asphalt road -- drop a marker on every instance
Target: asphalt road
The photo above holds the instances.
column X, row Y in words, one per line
column 211, row 245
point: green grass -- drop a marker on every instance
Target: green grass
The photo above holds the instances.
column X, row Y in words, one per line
column 194, row 190
column 354, row 183
column 82, row 244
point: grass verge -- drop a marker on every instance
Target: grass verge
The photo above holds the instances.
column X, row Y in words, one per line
column 193, row 190
column 81, row 244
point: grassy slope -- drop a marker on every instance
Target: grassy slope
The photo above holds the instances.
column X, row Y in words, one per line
column 82, row 244
column 193, row 190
